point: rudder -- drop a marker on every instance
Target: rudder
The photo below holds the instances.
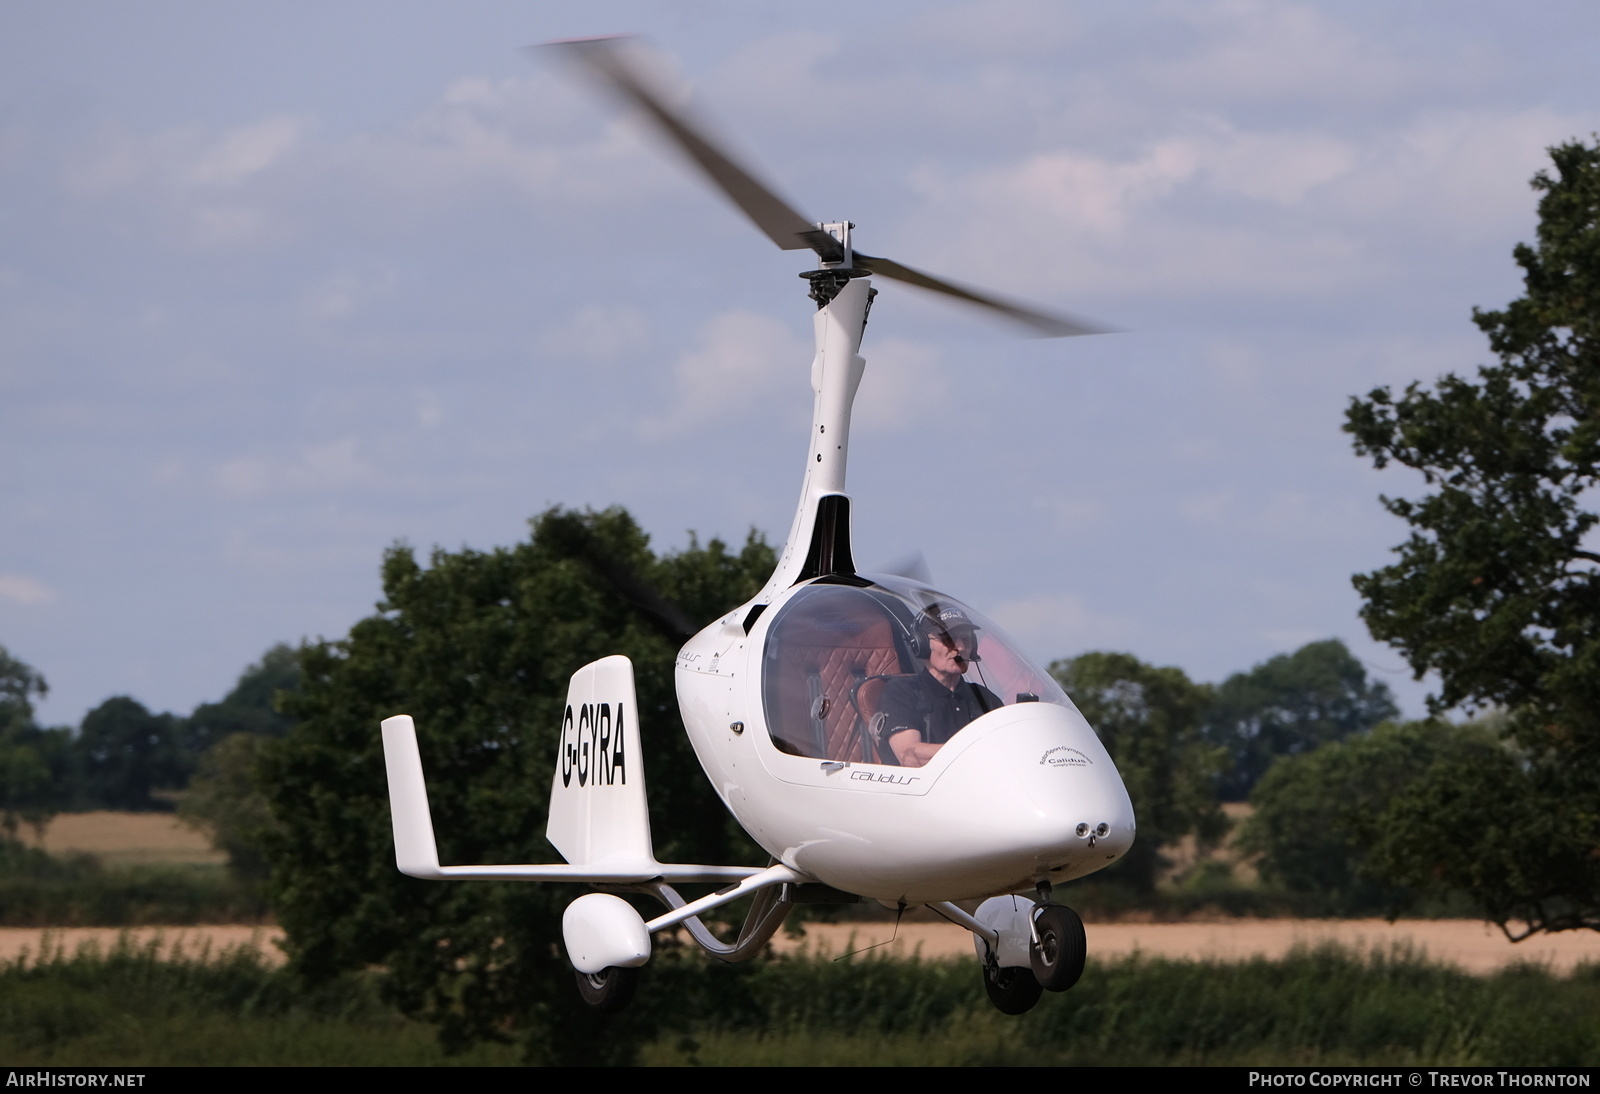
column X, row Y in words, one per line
column 598, row 809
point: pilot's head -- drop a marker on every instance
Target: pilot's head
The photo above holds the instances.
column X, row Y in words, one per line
column 952, row 638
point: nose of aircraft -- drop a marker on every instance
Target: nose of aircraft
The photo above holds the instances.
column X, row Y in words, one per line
column 1042, row 794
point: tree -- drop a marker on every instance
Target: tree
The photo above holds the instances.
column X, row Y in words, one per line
column 34, row 762
column 1288, row 706
column 225, row 801
column 252, row 706
column 478, row 647
column 126, row 752
column 1318, row 816
column 1149, row 720
column 224, row 798
column 1497, row 590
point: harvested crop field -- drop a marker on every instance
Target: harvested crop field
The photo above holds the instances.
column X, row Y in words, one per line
column 1473, row 946
column 126, row 839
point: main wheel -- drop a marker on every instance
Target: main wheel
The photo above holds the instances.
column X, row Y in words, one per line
column 608, row 990
column 1059, row 954
column 1012, row 990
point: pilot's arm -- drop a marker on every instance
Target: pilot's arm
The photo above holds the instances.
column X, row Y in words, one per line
column 910, row 749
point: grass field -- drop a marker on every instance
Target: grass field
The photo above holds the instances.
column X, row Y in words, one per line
column 134, row 1007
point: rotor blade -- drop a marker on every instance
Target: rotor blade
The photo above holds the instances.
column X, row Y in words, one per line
column 605, row 58
column 913, row 566
column 1042, row 323
column 569, row 532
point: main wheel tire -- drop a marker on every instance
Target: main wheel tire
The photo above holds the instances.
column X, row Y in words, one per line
column 1059, row 954
column 608, row 990
column 1012, row 990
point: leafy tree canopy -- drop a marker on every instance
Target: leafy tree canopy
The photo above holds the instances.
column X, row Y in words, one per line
column 33, row 760
column 253, row 704
column 1318, row 816
column 1497, row 590
column 478, row 648
column 126, row 752
column 1150, row 720
column 1288, row 706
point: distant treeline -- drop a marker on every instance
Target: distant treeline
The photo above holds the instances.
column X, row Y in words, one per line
column 122, row 755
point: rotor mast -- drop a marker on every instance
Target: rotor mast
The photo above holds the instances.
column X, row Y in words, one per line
column 819, row 538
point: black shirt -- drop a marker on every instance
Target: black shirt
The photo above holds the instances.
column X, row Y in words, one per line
column 922, row 703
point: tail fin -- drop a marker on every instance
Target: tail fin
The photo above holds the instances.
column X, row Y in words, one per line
column 598, row 817
column 415, row 852
column 598, row 811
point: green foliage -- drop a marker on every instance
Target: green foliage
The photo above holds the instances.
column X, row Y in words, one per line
column 125, row 753
column 252, row 706
column 34, row 762
column 1288, row 706
column 1485, row 821
column 1318, row 817
column 41, row 890
column 1150, row 721
column 478, row 648
column 226, row 802
column 1323, row 1007
column 133, row 1007
column 1496, row 590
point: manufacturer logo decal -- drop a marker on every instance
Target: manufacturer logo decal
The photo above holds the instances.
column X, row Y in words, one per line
column 884, row 777
column 592, row 748
column 1062, row 756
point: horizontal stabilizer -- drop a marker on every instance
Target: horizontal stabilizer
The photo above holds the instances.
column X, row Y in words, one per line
column 417, row 855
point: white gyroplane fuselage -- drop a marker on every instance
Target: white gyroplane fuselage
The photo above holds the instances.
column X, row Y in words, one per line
column 878, row 738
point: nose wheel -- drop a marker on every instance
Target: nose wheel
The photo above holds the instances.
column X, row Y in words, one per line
column 1048, row 937
column 608, row 990
column 1061, row 950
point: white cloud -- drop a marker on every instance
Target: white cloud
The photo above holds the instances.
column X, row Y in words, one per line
column 598, row 334
column 1211, row 207
column 185, row 157
column 243, row 152
column 742, row 359
column 341, row 294
column 1462, row 174
column 25, row 590
column 905, row 383
column 1266, row 50
column 332, row 466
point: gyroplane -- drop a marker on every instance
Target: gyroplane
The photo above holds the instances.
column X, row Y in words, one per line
column 879, row 738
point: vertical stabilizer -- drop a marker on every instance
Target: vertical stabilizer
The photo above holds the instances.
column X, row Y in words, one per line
column 598, row 811
column 415, row 852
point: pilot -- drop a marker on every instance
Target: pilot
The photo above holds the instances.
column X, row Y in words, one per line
column 924, row 711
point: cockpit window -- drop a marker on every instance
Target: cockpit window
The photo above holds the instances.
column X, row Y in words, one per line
column 852, row 665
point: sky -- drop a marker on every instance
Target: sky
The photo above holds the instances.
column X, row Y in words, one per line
column 285, row 285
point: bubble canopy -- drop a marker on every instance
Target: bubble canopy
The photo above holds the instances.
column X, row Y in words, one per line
column 843, row 654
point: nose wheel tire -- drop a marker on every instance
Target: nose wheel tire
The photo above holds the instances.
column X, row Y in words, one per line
column 1059, row 954
column 1012, row 990
column 608, row 990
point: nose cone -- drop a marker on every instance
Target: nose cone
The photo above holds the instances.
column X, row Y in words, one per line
column 1043, row 797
